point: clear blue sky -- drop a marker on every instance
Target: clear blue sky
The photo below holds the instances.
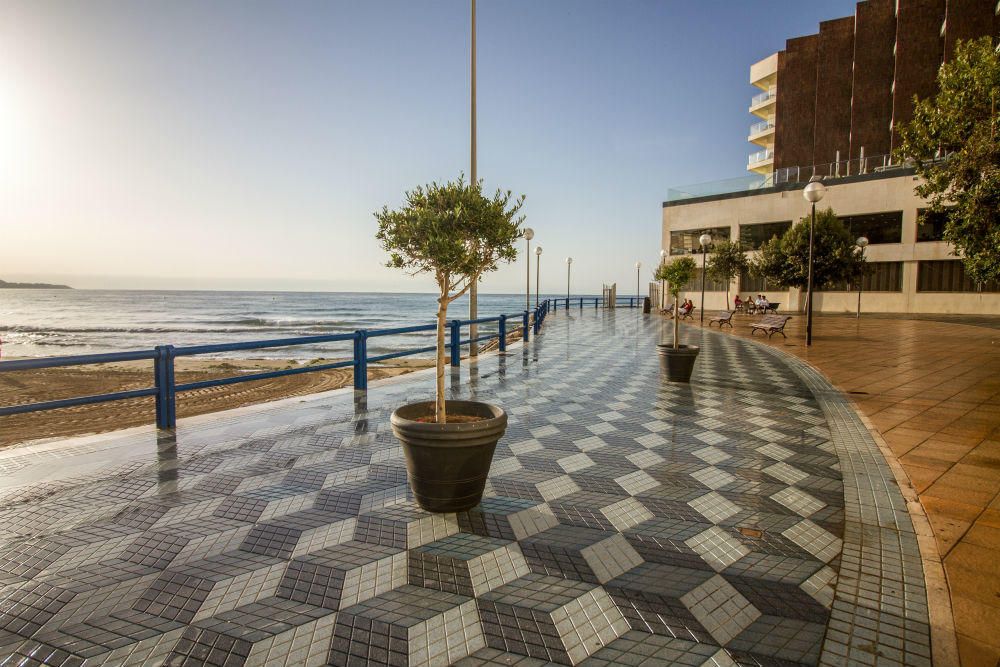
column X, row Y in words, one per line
column 245, row 144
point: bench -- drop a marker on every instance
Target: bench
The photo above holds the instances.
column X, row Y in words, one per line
column 669, row 310
column 771, row 324
column 688, row 314
column 723, row 317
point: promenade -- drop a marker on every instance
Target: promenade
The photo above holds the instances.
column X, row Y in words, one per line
column 930, row 387
column 747, row 518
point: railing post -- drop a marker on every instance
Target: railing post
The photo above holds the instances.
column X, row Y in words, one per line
column 166, row 395
column 538, row 319
column 524, row 326
column 502, row 332
column 581, row 303
column 361, row 360
column 456, row 342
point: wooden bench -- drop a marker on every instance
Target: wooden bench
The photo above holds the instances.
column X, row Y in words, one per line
column 771, row 324
column 723, row 317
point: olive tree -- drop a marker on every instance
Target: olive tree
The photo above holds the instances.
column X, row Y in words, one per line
column 954, row 143
column 456, row 234
column 727, row 262
column 677, row 273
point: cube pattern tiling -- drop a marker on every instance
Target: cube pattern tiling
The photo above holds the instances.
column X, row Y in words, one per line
column 627, row 520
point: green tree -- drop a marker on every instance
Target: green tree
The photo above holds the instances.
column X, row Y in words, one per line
column 677, row 273
column 727, row 262
column 785, row 260
column 456, row 234
column 961, row 123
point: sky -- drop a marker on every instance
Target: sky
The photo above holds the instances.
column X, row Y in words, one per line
column 182, row 144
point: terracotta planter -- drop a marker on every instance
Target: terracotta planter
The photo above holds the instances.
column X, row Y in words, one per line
column 447, row 464
column 677, row 364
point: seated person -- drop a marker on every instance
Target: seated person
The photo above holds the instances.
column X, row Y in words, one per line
column 738, row 302
column 764, row 303
column 687, row 307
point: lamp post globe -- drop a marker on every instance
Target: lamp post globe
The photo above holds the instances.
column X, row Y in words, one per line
column 813, row 192
column 569, row 263
column 861, row 243
column 538, row 270
column 528, row 233
column 704, row 240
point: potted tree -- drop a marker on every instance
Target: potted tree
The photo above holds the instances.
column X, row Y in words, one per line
column 677, row 360
column 456, row 234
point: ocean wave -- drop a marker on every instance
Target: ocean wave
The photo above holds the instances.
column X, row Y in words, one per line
column 148, row 330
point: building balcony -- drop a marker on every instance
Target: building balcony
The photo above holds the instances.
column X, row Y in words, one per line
column 760, row 104
column 760, row 159
column 762, row 133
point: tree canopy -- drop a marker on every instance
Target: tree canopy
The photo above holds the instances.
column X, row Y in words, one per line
column 954, row 143
column 727, row 262
column 677, row 273
column 453, row 231
column 785, row 260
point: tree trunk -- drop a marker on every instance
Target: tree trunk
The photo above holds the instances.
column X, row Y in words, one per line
column 677, row 320
column 439, row 409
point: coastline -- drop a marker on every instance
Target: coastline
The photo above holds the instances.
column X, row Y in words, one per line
column 55, row 383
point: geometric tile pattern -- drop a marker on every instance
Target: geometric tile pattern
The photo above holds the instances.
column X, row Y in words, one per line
column 626, row 519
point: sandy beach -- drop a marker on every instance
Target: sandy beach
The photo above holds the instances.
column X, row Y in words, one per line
column 55, row 383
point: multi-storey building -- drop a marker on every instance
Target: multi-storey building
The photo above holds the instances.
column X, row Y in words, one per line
column 829, row 105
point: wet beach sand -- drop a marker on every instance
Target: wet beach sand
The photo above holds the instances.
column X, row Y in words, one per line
column 54, row 383
column 49, row 384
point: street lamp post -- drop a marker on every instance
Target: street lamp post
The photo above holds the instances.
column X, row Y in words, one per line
column 538, row 270
column 813, row 192
column 663, row 259
column 862, row 243
column 473, row 288
column 528, row 234
column 569, row 263
column 704, row 240
column 638, row 265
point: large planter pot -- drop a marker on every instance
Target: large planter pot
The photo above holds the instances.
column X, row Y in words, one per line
column 677, row 364
column 447, row 464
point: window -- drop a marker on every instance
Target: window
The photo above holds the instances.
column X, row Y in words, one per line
column 710, row 285
column 755, row 286
column 948, row 275
column 930, row 224
column 685, row 241
column 876, row 227
column 756, row 235
column 879, row 277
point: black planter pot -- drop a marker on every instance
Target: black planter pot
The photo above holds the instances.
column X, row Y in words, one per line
column 447, row 464
column 677, row 364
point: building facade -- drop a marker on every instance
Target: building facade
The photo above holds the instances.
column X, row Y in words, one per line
column 828, row 107
column 832, row 100
column 912, row 269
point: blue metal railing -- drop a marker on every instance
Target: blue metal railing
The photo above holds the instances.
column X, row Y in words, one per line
column 165, row 387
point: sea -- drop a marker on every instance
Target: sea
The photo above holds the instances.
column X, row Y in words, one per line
column 58, row 322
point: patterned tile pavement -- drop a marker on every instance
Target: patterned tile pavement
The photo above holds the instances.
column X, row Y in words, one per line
column 744, row 519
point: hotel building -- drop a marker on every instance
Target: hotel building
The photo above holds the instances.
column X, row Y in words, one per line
column 829, row 106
